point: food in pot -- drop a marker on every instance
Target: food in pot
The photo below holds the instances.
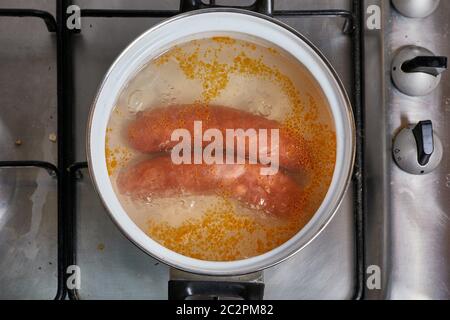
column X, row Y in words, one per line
column 277, row 194
column 151, row 131
column 211, row 210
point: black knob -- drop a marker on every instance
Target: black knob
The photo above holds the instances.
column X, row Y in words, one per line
column 424, row 135
column 432, row 65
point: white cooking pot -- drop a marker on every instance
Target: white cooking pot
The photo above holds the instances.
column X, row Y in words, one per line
column 195, row 25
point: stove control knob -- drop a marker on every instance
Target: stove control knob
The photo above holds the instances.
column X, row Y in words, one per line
column 416, row 8
column 417, row 150
column 417, row 71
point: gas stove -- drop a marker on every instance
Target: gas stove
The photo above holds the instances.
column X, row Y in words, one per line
column 391, row 236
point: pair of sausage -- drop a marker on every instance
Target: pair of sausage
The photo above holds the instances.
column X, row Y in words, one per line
column 158, row 177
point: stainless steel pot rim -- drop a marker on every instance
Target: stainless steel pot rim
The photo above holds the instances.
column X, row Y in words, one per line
column 337, row 199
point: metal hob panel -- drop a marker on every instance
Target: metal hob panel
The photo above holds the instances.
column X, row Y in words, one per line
column 71, row 226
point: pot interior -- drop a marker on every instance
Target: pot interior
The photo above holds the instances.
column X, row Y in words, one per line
column 241, row 73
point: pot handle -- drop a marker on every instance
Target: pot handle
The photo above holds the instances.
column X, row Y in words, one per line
column 215, row 290
column 261, row 6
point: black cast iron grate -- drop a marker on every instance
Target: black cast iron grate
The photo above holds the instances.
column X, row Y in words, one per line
column 67, row 170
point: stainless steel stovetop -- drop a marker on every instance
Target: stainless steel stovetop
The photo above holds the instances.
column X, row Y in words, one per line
column 407, row 225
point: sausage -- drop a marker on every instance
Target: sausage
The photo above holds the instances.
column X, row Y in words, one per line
column 158, row 177
column 151, row 131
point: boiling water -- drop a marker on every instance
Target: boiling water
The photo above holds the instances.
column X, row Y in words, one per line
column 245, row 74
